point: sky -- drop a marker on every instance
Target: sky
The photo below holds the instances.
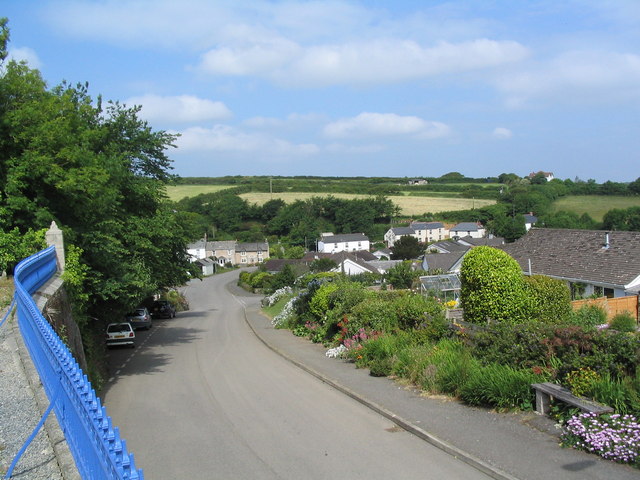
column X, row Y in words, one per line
column 399, row 88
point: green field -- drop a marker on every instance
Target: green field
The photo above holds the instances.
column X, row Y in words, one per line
column 178, row 192
column 594, row 205
column 409, row 205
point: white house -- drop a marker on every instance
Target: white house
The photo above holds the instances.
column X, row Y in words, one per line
column 348, row 242
column 468, row 229
column 424, row 232
column 429, row 231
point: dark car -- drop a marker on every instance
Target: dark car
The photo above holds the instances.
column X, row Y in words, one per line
column 139, row 318
column 163, row 309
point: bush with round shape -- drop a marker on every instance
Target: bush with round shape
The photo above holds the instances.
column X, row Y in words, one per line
column 492, row 287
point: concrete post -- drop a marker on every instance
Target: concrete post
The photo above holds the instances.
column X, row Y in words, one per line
column 54, row 237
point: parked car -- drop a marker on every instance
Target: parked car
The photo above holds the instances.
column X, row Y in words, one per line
column 120, row 334
column 139, row 318
column 163, row 309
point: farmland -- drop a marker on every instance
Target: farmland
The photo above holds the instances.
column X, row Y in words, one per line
column 595, row 205
column 409, row 205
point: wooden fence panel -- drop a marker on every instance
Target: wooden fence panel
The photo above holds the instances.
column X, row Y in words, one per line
column 612, row 306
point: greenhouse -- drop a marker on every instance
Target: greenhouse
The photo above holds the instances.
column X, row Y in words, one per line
column 445, row 287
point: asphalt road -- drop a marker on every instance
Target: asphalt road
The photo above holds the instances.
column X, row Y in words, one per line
column 200, row 397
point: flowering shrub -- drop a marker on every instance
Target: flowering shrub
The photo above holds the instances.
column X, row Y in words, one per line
column 336, row 352
column 286, row 313
column 613, row 437
column 277, row 295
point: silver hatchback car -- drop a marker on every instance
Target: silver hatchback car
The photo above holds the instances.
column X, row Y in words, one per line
column 139, row 318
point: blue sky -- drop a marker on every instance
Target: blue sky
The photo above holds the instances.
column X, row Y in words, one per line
column 345, row 88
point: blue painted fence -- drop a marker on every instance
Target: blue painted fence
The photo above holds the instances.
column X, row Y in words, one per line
column 95, row 444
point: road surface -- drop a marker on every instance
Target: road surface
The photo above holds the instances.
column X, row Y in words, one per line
column 200, row 397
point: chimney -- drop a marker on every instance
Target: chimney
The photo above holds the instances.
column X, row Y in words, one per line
column 606, row 240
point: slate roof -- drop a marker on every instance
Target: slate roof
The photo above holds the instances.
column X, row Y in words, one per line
column 484, row 241
column 580, row 255
column 403, row 230
column 441, row 261
column 252, row 247
column 345, row 237
column 466, row 227
column 448, row 246
column 221, row 245
column 426, row 225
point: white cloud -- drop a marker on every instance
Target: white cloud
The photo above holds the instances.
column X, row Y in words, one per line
column 25, row 54
column 223, row 138
column 502, row 133
column 385, row 124
column 357, row 63
column 179, row 109
column 586, row 75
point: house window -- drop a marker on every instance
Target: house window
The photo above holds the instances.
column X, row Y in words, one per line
column 608, row 292
column 229, row 252
column 243, row 260
column 243, row 253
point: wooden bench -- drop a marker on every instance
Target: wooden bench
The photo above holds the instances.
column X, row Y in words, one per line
column 546, row 391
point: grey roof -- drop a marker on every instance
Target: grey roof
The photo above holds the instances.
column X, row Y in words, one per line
column 465, row 227
column 442, row 261
column 221, row 245
column 345, row 237
column 341, row 257
column 403, row 230
column 205, row 261
column 196, row 245
column 426, row 225
column 252, row 247
column 484, row 241
column 579, row 255
column 384, row 265
column 448, row 246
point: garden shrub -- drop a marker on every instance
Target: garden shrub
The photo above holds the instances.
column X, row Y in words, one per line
column 622, row 395
column 413, row 310
column 550, row 299
column 259, row 279
column 319, row 303
column 521, row 346
column 588, row 316
column 453, row 364
column 623, row 322
column 501, row 386
column 375, row 314
column 581, row 381
column 492, row 287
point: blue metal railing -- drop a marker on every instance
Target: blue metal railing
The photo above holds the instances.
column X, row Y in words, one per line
column 95, row 444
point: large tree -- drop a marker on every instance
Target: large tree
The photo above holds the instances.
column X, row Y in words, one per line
column 99, row 172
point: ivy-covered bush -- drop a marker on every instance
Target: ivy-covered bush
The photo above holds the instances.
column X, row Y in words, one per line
column 492, row 287
column 550, row 299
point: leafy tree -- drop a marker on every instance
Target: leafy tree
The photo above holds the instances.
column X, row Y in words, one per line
column 492, row 287
column 622, row 219
column 406, row 248
column 401, row 275
column 99, row 172
column 634, row 187
column 511, row 228
column 323, row 265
